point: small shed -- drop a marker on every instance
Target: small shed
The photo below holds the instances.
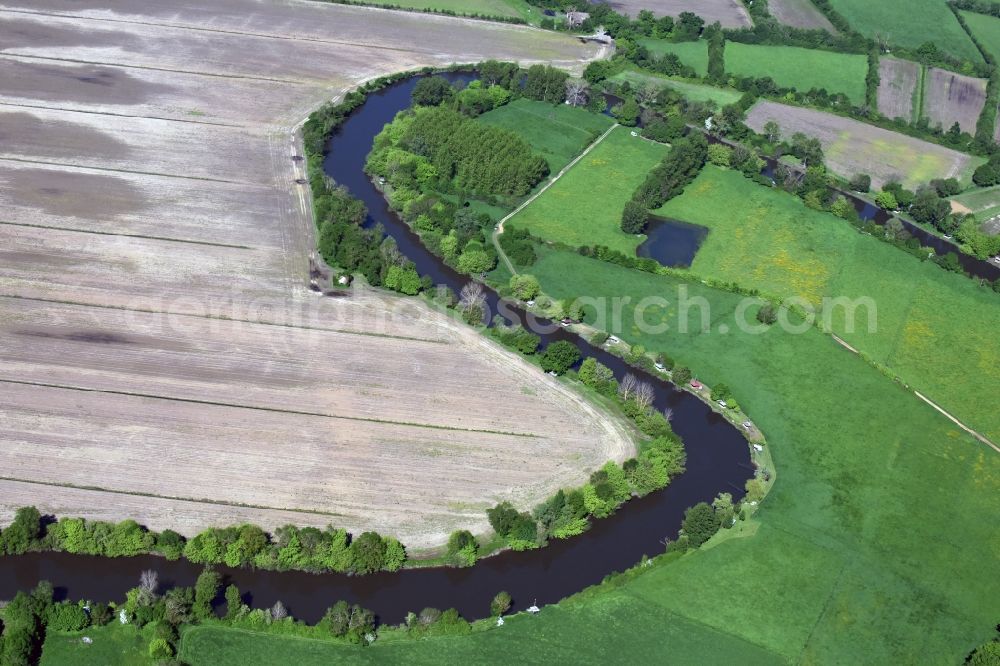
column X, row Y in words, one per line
column 576, row 19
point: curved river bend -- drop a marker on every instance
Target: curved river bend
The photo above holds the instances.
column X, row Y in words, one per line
column 718, row 460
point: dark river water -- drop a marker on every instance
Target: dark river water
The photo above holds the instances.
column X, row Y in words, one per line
column 718, row 460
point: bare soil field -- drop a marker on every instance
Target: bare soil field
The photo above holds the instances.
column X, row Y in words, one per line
column 853, row 147
column 898, row 81
column 730, row 13
column 953, row 98
column 160, row 353
column 799, row 14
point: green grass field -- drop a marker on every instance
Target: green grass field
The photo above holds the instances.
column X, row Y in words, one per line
column 557, row 132
column 584, row 207
column 984, row 203
column 696, row 92
column 113, row 644
column 937, row 330
column 874, row 546
column 801, row 69
column 692, row 54
column 986, row 29
column 910, row 24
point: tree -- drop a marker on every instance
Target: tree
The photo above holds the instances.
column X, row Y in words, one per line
column 368, row 553
column 160, row 649
column 627, row 112
column 559, row 357
column 472, row 302
column 929, row 208
column 206, row 589
column 886, row 200
column 500, row 604
column 545, row 83
column 627, row 386
column 525, row 287
column 767, row 314
column 577, row 92
column 634, row 217
column 20, row 535
column 842, row 208
column 719, row 154
column 170, row 544
column 475, row 260
column 772, row 132
column 700, row 523
column 681, row 375
column 149, row 582
column 946, row 187
column 598, row 70
column 278, row 611
column 463, row 549
column 723, row 507
column 644, row 395
column 234, row 602
column 432, row 91
column 861, row 182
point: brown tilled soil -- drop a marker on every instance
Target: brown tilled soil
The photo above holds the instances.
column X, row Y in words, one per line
column 851, row 147
column 799, row 14
column 953, row 98
column 898, row 80
column 161, row 355
column 730, row 13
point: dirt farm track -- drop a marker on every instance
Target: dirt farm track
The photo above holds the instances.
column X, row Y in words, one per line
column 161, row 357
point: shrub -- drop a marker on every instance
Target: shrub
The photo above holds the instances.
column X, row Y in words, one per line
column 463, row 548
column 432, row 91
column 767, row 314
column 700, row 523
column 559, row 357
column 65, row 616
column 634, row 218
column 500, row 604
column 886, row 200
column 160, row 649
column 719, row 154
column 861, row 182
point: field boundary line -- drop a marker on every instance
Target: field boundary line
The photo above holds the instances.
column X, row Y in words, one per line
column 174, row 498
column 257, row 408
column 62, row 109
column 982, row 438
column 102, row 63
column 552, row 181
column 113, row 170
column 370, row 334
column 239, row 33
column 109, row 233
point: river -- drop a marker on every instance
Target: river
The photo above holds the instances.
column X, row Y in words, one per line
column 718, row 460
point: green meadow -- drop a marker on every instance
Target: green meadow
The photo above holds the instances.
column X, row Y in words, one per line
column 584, row 207
column 802, row 69
column 936, row 330
column 986, row 29
column 692, row 54
column 122, row 645
column 872, row 547
column 696, row 92
column 558, row 132
column 910, row 24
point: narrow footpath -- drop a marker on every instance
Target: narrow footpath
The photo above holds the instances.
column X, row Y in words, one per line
column 499, row 228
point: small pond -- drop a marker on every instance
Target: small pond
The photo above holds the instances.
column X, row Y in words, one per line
column 672, row 242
